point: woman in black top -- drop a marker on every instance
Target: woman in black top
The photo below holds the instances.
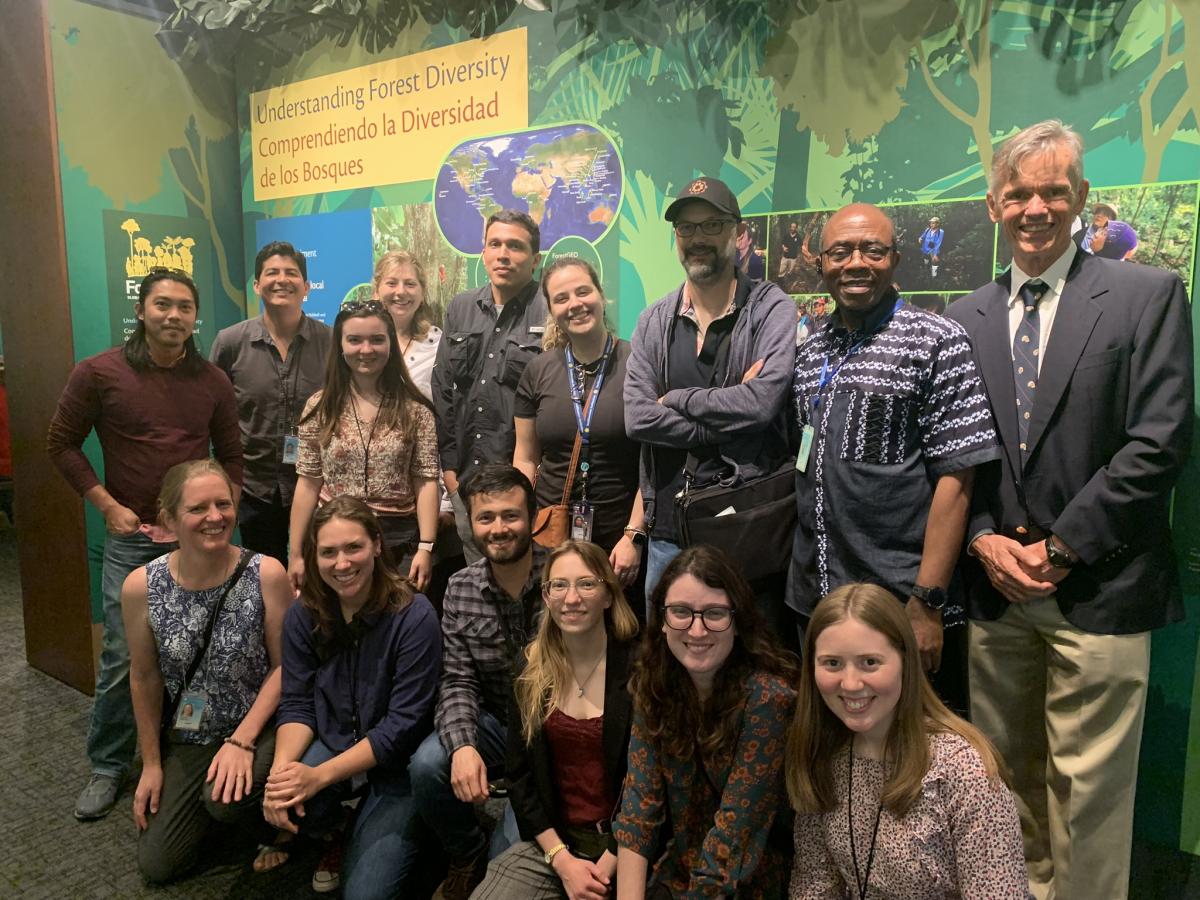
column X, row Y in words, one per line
column 557, row 399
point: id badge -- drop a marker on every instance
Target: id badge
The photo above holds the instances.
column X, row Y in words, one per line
column 581, row 521
column 291, row 449
column 192, row 708
column 806, row 442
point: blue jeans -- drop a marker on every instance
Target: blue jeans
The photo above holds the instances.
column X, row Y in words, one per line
column 379, row 857
column 659, row 554
column 113, row 734
column 452, row 820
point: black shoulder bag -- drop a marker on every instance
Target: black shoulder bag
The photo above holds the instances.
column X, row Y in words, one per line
column 171, row 704
column 752, row 520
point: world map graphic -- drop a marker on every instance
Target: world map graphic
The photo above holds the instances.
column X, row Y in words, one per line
column 568, row 178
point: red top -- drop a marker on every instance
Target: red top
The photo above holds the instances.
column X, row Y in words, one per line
column 577, row 756
column 146, row 422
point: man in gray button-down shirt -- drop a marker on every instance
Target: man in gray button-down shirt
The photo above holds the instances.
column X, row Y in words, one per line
column 276, row 362
column 490, row 334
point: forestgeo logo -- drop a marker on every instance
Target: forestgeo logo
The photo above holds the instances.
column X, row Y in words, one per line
column 698, row 187
column 169, row 252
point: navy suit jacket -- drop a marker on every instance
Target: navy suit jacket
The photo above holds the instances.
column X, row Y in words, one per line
column 1111, row 429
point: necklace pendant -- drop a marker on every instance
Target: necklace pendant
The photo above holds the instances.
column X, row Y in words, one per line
column 580, row 694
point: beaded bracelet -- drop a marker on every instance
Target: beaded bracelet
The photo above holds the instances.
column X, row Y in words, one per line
column 232, row 740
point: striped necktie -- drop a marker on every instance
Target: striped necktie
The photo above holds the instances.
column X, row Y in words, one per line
column 1025, row 358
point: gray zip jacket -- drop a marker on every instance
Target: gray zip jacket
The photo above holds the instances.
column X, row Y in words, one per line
column 746, row 422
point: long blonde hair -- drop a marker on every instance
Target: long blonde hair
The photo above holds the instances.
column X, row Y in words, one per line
column 548, row 670
column 817, row 736
column 423, row 318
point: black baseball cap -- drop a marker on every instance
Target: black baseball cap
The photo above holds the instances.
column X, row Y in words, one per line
column 712, row 190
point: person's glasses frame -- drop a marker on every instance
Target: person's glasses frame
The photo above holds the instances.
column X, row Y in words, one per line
column 711, row 227
column 872, row 251
column 714, row 618
column 588, row 588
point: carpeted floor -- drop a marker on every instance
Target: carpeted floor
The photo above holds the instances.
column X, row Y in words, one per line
column 47, row 854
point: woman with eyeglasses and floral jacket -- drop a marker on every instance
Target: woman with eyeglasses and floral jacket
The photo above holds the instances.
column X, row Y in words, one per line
column 369, row 433
column 704, row 812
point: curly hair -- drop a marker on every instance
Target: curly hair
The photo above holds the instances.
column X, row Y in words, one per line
column 817, row 735
column 677, row 720
column 389, row 589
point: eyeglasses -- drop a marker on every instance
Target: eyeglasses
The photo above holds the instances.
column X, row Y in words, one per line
column 708, row 226
column 586, row 588
column 715, row 618
column 354, row 307
column 840, row 253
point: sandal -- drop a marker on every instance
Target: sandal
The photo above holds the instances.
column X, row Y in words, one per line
column 271, row 856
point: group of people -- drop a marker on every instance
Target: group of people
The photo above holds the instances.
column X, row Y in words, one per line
column 1005, row 466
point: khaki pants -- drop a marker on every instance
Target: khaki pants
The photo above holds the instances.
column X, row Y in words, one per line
column 1065, row 709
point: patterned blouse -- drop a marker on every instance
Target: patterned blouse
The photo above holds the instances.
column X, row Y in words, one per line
column 391, row 465
column 717, row 843
column 236, row 663
column 961, row 839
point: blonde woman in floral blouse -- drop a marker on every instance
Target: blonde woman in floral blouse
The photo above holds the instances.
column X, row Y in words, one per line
column 896, row 797
column 703, row 812
column 369, row 434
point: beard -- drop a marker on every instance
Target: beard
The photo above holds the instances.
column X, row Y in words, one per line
column 707, row 264
column 520, row 546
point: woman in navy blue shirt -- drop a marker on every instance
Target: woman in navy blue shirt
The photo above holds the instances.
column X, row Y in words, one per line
column 361, row 657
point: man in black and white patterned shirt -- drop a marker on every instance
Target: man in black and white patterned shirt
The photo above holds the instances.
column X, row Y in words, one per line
column 893, row 420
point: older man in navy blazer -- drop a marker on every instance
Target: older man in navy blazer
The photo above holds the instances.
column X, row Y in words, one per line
column 1088, row 366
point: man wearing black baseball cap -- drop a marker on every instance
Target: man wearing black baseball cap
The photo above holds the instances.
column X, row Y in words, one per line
column 710, row 368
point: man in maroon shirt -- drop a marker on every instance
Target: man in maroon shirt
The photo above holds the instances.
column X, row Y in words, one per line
column 153, row 403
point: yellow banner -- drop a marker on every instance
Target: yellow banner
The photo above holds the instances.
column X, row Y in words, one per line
column 389, row 122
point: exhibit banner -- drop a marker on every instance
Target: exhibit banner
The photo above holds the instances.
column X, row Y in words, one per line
column 337, row 250
column 389, row 122
column 135, row 244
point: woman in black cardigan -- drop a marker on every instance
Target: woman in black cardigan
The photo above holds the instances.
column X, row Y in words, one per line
column 568, row 735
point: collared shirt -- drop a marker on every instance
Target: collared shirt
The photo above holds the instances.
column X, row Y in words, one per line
column 146, row 422
column 379, row 669
column 484, row 631
column 1055, row 279
column 271, row 392
column 905, row 408
column 483, row 351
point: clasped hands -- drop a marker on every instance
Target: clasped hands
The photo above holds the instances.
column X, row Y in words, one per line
column 1021, row 572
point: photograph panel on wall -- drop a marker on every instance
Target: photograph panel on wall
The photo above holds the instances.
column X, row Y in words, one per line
column 752, row 247
column 413, row 227
column 794, row 241
column 1151, row 224
column 945, row 247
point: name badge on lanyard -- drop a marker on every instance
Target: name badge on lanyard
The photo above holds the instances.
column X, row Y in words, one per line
column 582, row 513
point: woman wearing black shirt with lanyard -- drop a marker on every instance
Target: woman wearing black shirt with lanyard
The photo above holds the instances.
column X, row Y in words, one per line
column 579, row 391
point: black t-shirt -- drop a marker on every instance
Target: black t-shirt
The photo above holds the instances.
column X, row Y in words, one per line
column 544, row 395
column 789, row 245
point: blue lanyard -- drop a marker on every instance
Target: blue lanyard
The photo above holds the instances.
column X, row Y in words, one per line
column 583, row 419
column 828, row 376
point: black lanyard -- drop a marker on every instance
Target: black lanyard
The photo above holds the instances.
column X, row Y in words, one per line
column 366, row 443
column 863, row 883
column 289, row 400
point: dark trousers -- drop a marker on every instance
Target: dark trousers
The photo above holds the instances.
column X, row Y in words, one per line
column 264, row 525
column 173, row 841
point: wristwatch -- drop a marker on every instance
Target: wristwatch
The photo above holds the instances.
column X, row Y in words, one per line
column 553, row 852
column 933, row 597
column 636, row 537
column 1057, row 557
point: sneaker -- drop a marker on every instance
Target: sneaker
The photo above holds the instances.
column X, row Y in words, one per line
column 464, row 875
column 327, row 876
column 98, row 798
